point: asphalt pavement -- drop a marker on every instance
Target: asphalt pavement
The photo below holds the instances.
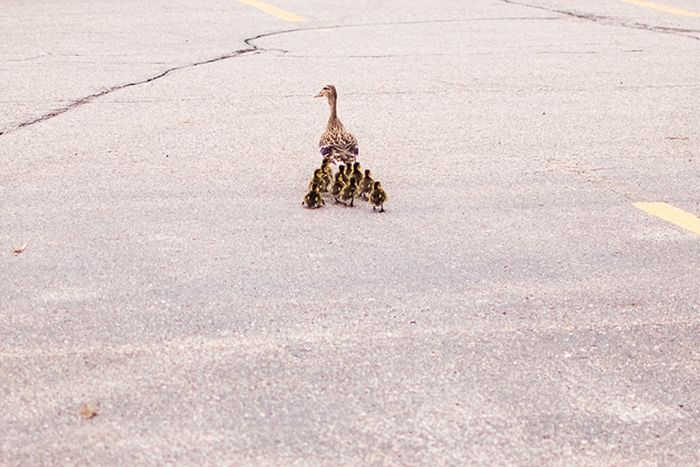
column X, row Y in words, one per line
column 515, row 305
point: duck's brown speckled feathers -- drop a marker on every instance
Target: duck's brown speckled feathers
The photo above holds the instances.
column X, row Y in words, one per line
column 336, row 141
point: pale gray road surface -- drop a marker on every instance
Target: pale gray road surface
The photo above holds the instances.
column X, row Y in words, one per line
column 513, row 306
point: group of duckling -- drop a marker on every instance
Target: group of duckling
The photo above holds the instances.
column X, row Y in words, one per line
column 338, row 146
column 348, row 183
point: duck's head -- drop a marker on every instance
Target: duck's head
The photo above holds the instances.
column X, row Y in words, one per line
column 377, row 185
column 329, row 92
column 353, row 181
column 318, row 173
column 367, row 173
column 356, row 166
column 314, row 187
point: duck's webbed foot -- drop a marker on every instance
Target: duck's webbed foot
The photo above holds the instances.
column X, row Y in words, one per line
column 381, row 208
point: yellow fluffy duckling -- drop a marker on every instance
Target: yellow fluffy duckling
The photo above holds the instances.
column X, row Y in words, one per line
column 338, row 186
column 377, row 197
column 313, row 198
column 348, row 172
column 357, row 172
column 366, row 185
column 350, row 191
column 319, row 179
column 343, row 175
column 327, row 170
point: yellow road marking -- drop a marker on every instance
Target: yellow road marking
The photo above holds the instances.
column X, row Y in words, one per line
column 273, row 10
column 672, row 214
column 660, row 7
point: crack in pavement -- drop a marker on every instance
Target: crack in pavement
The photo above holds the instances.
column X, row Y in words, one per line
column 391, row 23
column 86, row 99
column 28, row 59
column 608, row 21
column 251, row 49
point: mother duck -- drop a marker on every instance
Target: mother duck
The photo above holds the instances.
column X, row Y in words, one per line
column 336, row 142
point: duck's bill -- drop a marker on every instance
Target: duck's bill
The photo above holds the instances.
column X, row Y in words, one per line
column 318, row 95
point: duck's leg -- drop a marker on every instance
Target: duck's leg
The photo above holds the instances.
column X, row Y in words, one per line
column 381, row 207
column 352, row 200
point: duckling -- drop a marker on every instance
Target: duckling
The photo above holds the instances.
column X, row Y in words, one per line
column 377, row 197
column 343, row 174
column 350, row 191
column 313, row 198
column 319, row 180
column 357, row 172
column 327, row 170
column 336, row 141
column 327, row 180
column 366, row 185
column 338, row 186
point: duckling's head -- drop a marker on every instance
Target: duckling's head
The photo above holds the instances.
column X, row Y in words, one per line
column 353, row 181
column 377, row 185
column 341, row 168
column 314, row 187
column 318, row 173
column 367, row 173
column 329, row 92
column 356, row 166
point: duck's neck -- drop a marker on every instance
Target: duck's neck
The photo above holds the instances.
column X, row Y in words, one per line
column 334, row 113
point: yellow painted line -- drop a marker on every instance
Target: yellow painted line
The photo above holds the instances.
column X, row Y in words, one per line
column 273, row 10
column 660, row 7
column 672, row 214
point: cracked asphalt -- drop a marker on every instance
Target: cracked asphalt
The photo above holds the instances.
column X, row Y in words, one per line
column 511, row 307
